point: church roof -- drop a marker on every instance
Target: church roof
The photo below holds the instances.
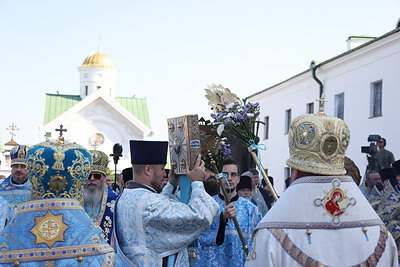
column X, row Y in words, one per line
column 100, row 60
column 56, row 104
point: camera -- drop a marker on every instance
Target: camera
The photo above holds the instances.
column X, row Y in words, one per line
column 372, row 148
column 371, row 151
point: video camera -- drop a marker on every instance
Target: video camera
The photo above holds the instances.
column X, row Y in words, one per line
column 372, row 148
column 371, row 151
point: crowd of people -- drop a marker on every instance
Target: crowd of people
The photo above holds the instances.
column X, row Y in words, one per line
column 60, row 207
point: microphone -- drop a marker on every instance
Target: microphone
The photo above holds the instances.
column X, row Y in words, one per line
column 117, row 152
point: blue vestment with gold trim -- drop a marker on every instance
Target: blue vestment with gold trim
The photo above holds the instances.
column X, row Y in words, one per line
column 54, row 232
column 15, row 193
column 104, row 215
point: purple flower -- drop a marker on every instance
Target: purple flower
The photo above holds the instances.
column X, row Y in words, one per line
column 225, row 150
column 254, row 104
column 221, row 115
column 240, row 116
column 213, row 115
column 246, row 109
column 228, row 120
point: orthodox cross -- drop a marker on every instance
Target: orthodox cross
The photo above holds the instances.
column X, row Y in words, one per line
column 61, row 130
column 12, row 128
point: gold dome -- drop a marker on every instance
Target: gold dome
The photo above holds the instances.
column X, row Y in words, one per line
column 100, row 60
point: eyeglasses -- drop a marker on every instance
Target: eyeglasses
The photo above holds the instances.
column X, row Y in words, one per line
column 96, row 176
column 232, row 174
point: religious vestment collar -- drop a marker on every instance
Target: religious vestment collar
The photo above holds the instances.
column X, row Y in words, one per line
column 136, row 185
column 236, row 197
column 334, row 202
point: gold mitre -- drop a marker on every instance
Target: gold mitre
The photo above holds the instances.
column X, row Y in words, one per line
column 317, row 144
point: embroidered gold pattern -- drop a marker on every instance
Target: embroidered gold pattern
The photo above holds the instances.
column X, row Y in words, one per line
column 49, row 229
column 57, row 183
column 300, row 257
column 59, row 156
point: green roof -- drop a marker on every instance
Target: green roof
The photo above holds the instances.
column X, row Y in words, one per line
column 56, row 104
column 136, row 106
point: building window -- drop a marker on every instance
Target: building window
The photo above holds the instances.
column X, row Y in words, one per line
column 86, row 90
column 266, row 127
column 310, row 108
column 85, row 75
column 339, row 106
column 98, row 87
column 376, row 99
column 288, row 119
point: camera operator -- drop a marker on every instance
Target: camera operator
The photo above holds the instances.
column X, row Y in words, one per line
column 385, row 157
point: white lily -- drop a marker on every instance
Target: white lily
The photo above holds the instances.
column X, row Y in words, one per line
column 220, row 129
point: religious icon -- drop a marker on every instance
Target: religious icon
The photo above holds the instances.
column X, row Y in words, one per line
column 335, row 202
column 96, row 139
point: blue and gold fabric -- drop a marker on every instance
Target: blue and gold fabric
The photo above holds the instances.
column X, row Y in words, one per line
column 58, row 171
column 151, row 226
column 103, row 216
column 18, row 154
column 54, row 229
column 373, row 197
column 230, row 252
column 15, row 193
column 53, row 232
column 389, row 209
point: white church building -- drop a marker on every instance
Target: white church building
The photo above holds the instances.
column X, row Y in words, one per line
column 97, row 118
column 361, row 85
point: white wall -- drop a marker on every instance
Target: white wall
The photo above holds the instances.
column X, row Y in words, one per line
column 352, row 73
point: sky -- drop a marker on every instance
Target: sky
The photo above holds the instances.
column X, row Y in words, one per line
column 169, row 51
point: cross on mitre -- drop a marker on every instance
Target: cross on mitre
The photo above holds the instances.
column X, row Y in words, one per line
column 60, row 137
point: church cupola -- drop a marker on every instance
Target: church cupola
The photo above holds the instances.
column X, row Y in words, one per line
column 98, row 72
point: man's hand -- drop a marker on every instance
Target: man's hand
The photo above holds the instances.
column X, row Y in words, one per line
column 198, row 173
column 173, row 178
column 229, row 212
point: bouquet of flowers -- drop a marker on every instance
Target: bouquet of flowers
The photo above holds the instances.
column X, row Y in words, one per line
column 214, row 149
column 214, row 160
column 233, row 116
column 239, row 119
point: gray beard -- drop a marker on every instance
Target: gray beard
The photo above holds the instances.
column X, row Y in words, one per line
column 92, row 197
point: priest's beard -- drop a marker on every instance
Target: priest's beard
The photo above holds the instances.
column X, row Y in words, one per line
column 93, row 196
